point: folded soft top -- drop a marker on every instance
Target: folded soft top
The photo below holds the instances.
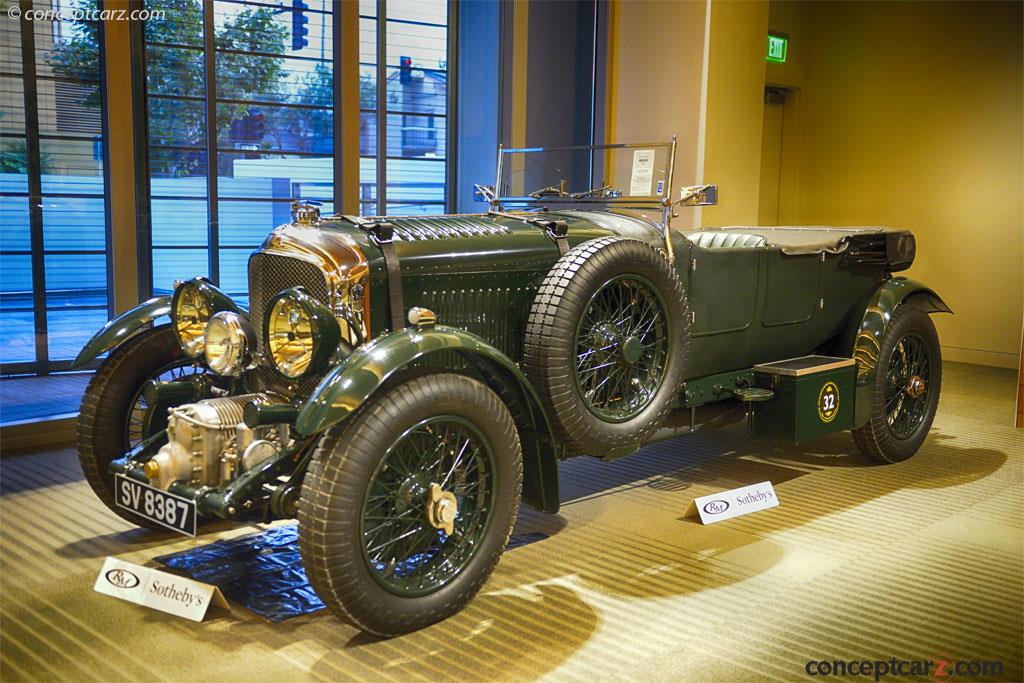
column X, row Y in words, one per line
column 810, row 239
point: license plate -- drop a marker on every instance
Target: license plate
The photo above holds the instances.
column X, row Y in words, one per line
column 156, row 505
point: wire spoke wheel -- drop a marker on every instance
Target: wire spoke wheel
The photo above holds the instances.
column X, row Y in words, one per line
column 407, row 505
column 137, row 420
column 906, row 387
column 427, row 505
column 622, row 345
column 606, row 344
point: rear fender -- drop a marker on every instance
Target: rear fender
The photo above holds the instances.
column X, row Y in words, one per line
column 355, row 380
column 123, row 326
column 868, row 334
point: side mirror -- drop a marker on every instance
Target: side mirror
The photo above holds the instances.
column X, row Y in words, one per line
column 698, row 195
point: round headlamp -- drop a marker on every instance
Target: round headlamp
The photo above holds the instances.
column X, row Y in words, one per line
column 228, row 343
column 190, row 311
column 300, row 332
column 194, row 303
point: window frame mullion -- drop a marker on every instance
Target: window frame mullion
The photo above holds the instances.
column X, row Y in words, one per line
column 382, row 107
column 35, row 191
column 140, row 125
column 451, row 136
column 210, row 92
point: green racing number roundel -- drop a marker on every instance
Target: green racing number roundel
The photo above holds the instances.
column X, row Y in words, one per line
column 828, row 402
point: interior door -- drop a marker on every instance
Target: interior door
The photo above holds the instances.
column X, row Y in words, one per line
column 771, row 156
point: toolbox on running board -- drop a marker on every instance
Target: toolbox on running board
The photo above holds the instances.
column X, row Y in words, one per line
column 813, row 396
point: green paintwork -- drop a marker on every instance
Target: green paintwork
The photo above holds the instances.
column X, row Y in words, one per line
column 715, row 387
column 480, row 273
column 122, row 327
column 484, row 283
column 792, row 413
column 751, row 305
column 869, row 330
column 353, row 381
column 758, row 305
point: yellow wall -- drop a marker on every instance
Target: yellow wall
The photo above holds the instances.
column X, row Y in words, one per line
column 794, row 19
column 735, row 110
column 654, row 79
column 903, row 114
column 656, row 64
column 911, row 115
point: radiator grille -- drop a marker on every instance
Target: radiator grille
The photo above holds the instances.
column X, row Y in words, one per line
column 271, row 273
column 496, row 314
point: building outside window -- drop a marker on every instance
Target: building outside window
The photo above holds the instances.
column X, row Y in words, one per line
column 261, row 74
column 239, row 107
column 414, row 44
column 53, row 217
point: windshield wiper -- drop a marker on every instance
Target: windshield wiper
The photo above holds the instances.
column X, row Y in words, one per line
column 559, row 191
column 550, row 191
column 603, row 191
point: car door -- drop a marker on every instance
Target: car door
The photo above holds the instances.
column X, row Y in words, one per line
column 792, row 288
column 723, row 291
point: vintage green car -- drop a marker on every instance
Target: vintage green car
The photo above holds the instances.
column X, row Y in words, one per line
column 398, row 384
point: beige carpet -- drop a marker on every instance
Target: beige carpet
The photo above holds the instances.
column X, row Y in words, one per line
column 919, row 560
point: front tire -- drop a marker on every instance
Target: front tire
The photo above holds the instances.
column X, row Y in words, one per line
column 906, row 391
column 373, row 534
column 113, row 415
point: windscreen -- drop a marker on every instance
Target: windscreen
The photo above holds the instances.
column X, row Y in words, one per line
column 636, row 174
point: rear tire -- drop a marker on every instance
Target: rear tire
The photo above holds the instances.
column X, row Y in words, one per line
column 900, row 420
column 368, row 544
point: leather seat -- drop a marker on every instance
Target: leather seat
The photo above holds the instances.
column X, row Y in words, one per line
column 718, row 239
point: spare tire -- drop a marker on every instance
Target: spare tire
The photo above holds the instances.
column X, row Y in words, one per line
column 606, row 343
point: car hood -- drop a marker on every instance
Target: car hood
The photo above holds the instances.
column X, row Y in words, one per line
column 492, row 242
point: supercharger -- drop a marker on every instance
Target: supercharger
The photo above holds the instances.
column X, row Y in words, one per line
column 209, row 444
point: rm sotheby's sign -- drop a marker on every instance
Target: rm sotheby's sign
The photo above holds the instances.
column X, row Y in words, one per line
column 729, row 504
column 157, row 590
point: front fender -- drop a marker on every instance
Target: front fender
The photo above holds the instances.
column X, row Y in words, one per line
column 351, row 383
column 868, row 340
column 122, row 327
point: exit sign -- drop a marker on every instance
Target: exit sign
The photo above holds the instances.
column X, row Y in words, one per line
column 778, row 44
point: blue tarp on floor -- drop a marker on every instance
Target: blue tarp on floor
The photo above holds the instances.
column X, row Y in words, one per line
column 262, row 572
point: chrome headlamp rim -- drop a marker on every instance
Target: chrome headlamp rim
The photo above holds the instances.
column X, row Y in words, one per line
column 232, row 352
column 190, row 333
column 213, row 300
column 324, row 331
